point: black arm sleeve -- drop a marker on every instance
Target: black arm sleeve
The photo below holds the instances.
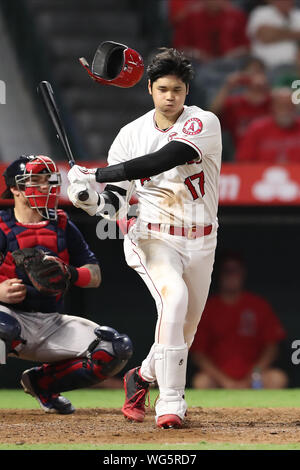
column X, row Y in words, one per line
column 169, row 156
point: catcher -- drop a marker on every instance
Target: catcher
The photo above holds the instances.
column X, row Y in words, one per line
column 43, row 254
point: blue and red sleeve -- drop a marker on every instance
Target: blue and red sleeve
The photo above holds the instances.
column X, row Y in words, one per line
column 79, row 251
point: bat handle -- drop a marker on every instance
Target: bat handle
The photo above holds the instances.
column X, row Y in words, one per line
column 82, row 195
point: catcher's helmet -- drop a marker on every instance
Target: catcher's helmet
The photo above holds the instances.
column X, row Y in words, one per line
column 115, row 64
column 22, row 173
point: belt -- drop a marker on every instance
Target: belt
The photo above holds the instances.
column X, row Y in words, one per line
column 189, row 232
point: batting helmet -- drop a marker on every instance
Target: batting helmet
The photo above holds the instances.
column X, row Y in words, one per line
column 115, row 64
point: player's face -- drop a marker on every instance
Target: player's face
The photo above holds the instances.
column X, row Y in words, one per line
column 284, row 110
column 169, row 94
column 232, row 277
column 41, row 182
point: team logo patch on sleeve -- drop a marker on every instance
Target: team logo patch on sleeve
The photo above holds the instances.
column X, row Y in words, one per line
column 193, row 126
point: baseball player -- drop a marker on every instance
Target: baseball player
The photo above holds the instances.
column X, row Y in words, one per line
column 43, row 254
column 173, row 155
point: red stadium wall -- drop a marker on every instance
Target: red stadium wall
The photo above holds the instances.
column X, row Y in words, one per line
column 240, row 184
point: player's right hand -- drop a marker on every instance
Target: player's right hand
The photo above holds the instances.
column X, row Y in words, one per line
column 81, row 174
column 90, row 205
column 12, row 291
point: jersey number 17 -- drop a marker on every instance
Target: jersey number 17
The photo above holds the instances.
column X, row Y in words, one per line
column 194, row 188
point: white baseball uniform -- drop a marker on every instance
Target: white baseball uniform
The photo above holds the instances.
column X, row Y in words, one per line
column 172, row 244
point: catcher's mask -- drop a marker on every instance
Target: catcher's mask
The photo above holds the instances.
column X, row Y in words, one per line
column 38, row 178
column 115, row 64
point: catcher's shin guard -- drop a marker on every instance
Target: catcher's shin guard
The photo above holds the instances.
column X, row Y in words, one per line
column 106, row 356
column 10, row 335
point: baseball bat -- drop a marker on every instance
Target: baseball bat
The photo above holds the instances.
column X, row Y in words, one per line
column 46, row 93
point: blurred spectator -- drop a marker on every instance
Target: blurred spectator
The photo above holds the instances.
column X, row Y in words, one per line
column 276, row 138
column 274, row 30
column 210, row 29
column 249, row 5
column 288, row 77
column 237, row 110
column 238, row 335
column 179, row 9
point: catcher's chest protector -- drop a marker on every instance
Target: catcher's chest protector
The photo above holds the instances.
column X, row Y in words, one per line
column 49, row 236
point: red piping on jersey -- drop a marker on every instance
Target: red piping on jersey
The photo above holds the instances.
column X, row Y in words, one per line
column 182, row 138
column 162, row 304
column 160, row 130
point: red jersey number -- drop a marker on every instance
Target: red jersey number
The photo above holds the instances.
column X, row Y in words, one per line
column 194, row 188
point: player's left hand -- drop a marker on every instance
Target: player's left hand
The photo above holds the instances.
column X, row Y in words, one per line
column 90, row 205
column 81, row 174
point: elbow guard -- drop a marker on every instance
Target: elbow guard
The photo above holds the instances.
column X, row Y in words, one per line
column 113, row 201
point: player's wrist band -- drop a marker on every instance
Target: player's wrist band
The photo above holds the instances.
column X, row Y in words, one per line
column 80, row 276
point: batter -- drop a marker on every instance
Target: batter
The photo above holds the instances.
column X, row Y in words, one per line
column 173, row 155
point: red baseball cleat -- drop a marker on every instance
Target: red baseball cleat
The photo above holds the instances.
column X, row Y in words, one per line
column 136, row 391
column 169, row 421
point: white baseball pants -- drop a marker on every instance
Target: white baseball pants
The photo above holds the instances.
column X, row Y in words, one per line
column 177, row 272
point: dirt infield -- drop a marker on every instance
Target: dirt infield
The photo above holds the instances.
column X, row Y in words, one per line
column 108, row 426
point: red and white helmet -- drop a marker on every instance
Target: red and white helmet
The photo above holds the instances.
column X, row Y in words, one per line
column 44, row 201
column 115, row 64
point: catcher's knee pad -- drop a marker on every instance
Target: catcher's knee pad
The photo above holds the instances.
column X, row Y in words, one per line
column 105, row 357
column 10, row 335
column 111, row 350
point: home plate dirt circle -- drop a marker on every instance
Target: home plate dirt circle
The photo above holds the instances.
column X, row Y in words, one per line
column 101, row 426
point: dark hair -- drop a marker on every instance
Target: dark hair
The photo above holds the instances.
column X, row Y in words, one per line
column 230, row 255
column 170, row 61
column 253, row 60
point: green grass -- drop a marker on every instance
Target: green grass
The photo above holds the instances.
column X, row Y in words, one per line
column 97, row 398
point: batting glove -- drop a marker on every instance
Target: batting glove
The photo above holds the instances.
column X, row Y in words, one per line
column 80, row 174
column 92, row 205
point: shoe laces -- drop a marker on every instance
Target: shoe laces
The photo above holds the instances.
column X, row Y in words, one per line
column 138, row 400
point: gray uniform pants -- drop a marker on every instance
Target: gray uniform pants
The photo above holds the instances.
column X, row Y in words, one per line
column 52, row 337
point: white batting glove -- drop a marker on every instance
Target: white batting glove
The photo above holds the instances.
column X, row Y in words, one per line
column 80, row 174
column 92, row 204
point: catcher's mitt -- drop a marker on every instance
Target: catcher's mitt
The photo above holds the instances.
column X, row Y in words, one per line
column 48, row 274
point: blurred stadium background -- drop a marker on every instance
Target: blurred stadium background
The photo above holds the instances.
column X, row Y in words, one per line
column 42, row 40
